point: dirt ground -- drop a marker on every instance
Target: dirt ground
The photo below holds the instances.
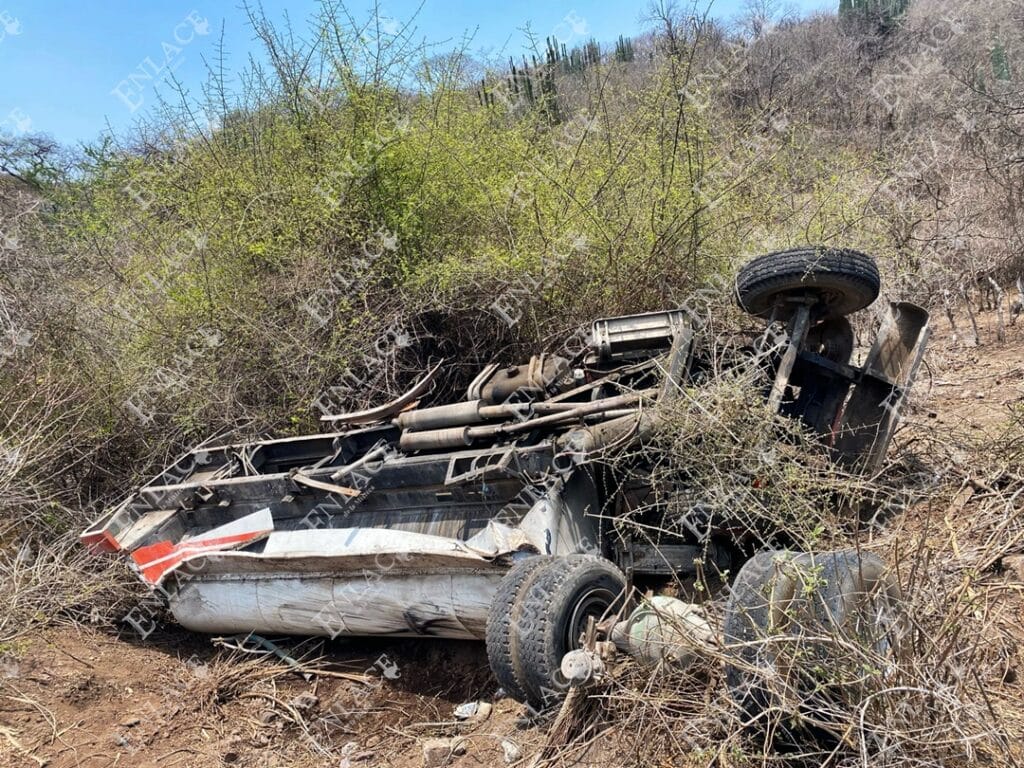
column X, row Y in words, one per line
column 83, row 697
column 75, row 696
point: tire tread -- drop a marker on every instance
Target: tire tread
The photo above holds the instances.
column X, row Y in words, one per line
column 547, row 600
column 854, row 272
column 501, row 646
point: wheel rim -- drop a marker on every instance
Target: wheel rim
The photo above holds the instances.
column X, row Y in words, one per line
column 594, row 602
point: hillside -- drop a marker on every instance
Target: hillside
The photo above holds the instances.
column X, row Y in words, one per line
column 309, row 237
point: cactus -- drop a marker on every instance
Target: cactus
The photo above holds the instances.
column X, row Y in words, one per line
column 554, row 54
column 534, row 81
column 1000, row 62
column 576, row 61
column 485, row 96
column 624, row 49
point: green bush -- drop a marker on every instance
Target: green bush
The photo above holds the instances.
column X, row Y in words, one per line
column 232, row 264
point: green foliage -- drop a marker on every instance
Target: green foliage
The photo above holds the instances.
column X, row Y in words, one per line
column 239, row 257
column 33, row 159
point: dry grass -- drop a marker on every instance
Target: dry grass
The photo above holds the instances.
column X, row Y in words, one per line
column 46, row 577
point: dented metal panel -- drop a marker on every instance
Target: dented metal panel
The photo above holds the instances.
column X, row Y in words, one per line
column 421, row 603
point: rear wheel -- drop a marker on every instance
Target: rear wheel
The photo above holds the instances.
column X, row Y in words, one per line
column 553, row 617
column 838, row 281
column 503, row 615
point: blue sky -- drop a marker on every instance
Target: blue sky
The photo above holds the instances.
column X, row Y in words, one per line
column 73, row 69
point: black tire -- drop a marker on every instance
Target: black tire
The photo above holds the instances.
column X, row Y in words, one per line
column 778, row 600
column 501, row 616
column 553, row 616
column 842, row 280
column 759, row 587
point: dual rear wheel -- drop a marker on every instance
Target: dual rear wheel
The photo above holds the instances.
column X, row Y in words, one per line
column 540, row 613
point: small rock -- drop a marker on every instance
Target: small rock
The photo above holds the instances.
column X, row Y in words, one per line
column 512, row 751
column 9, row 666
column 305, row 701
column 268, row 716
column 437, row 752
column 473, row 711
column 120, row 740
column 1014, row 565
column 131, row 723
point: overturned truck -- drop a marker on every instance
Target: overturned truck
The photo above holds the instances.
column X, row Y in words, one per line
column 487, row 518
